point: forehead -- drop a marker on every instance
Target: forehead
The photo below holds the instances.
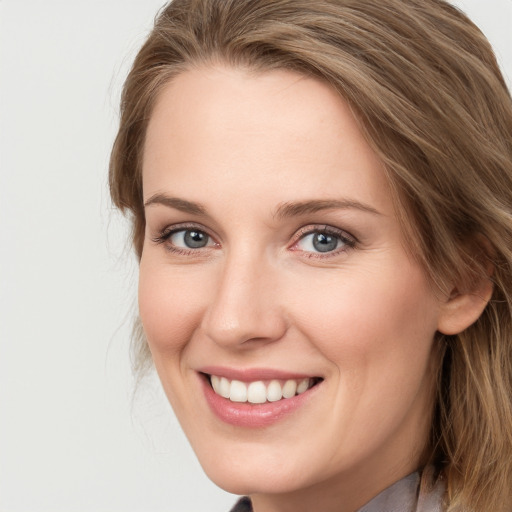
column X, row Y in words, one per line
column 279, row 131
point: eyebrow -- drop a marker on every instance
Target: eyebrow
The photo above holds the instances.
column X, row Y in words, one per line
column 178, row 204
column 313, row 206
column 289, row 209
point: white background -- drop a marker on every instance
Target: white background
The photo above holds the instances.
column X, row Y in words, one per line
column 70, row 439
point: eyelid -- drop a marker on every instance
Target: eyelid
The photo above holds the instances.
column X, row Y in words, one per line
column 164, row 235
column 350, row 240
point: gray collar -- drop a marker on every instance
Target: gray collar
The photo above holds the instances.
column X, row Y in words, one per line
column 414, row 493
column 417, row 492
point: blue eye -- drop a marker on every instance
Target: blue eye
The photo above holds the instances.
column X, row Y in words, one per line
column 319, row 242
column 324, row 242
column 189, row 239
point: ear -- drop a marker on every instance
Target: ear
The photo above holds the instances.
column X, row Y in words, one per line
column 461, row 309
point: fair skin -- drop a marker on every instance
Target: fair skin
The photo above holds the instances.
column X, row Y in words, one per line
column 273, row 252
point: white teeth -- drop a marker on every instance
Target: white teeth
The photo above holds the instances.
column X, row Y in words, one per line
column 302, row 386
column 257, row 392
column 289, row 388
column 274, row 391
column 224, row 387
column 238, row 391
column 216, row 384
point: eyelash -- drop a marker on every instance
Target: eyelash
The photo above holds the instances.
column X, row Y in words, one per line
column 349, row 242
column 164, row 236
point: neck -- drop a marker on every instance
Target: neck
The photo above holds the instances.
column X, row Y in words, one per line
column 344, row 493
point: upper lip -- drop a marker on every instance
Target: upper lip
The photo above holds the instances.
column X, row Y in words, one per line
column 253, row 374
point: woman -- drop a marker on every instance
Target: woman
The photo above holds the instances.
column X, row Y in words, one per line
column 321, row 196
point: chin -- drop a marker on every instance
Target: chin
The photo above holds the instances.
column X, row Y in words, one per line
column 249, row 478
column 247, row 468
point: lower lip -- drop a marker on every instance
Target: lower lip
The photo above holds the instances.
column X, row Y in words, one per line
column 244, row 414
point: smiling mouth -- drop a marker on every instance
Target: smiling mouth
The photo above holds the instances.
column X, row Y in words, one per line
column 260, row 392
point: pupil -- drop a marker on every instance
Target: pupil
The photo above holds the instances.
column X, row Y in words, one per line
column 195, row 239
column 324, row 243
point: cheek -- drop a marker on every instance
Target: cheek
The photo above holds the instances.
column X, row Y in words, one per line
column 377, row 332
column 371, row 319
column 170, row 306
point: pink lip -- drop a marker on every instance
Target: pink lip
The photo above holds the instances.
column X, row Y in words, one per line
column 252, row 374
column 252, row 415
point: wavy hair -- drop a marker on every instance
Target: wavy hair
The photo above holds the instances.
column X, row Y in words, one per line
column 425, row 87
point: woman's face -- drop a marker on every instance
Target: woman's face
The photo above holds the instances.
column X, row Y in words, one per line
column 273, row 264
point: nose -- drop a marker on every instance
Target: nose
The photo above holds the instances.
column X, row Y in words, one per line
column 245, row 310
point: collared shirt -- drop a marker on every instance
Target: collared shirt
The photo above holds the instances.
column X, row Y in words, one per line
column 414, row 493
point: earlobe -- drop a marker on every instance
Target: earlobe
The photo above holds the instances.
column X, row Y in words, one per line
column 465, row 304
column 460, row 310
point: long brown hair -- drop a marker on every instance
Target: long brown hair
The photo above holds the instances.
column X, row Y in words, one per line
column 425, row 86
